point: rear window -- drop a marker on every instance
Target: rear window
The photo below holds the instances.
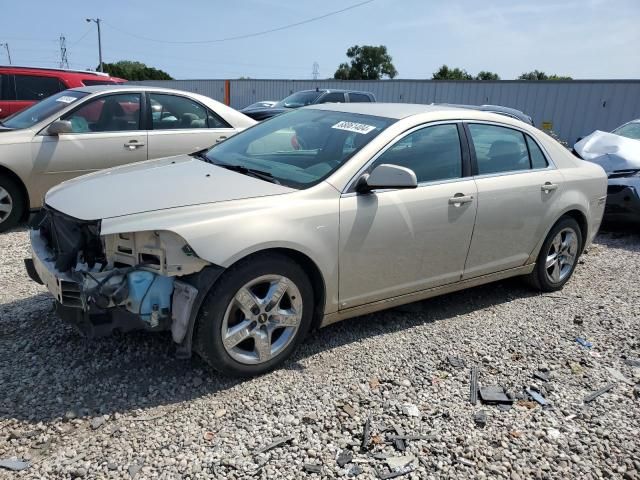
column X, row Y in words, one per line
column 32, row 87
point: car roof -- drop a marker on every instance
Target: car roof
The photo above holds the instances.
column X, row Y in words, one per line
column 125, row 87
column 388, row 110
column 61, row 70
column 338, row 90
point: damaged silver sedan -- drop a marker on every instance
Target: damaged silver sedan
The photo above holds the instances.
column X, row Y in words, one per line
column 312, row 217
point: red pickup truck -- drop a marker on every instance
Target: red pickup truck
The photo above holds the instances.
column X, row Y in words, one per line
column 24, row 86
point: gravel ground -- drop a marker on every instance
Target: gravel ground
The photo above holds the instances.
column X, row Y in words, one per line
column 122, row 407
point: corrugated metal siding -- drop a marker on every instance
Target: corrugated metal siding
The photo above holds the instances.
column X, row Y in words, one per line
column 574, row 108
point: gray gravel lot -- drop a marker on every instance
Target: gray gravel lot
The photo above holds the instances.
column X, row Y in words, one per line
column 122, row 407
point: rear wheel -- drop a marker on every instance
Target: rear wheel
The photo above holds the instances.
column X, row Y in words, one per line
column 255, row 316
column 12, row 204
column 558, row 256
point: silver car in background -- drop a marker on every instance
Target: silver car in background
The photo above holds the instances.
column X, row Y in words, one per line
column 312, row 217
column 85, row 129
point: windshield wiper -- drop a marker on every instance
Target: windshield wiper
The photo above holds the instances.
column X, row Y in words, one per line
column 262, row 175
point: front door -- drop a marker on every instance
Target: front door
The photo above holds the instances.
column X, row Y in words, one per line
column 182, row 125
column 517, row 192
column 107, row 132
column 394, row 242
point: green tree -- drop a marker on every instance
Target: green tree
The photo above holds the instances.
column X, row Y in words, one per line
column 131, row 70
column 538, row 75
column 446, row 73
column 367, row 63
column 483, row 75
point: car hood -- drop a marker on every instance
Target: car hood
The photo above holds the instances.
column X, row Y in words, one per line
column 612, row 152
column 265, row 112
column 154, row 185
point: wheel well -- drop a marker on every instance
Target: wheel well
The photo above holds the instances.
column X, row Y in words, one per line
column 579, row 217
column 5, row 172
column 312, row 270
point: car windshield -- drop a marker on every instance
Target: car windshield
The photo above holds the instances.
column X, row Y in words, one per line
column 300, row 148
column 629, row 130
column 30, row 116
column 298, row 99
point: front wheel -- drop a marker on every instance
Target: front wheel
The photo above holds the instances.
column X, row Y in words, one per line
column 12, row 204
column 558, row 256
column 255, row 315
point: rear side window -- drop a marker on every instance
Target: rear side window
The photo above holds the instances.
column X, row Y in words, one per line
column 538, row 159
column 171, row 112
column 499, row 149
column 31, row 87
column 333, row 97
column 359, row 97
column 433, row 153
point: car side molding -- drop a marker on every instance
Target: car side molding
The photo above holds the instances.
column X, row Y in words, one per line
column 424, row 294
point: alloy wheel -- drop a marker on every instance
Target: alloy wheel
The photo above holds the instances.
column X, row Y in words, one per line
column 6, row 204
column 262, row 319
column 562, row 255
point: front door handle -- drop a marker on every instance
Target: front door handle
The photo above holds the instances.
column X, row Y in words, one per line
column 132, row 145
column 460, row 198
column 219, row 139
column 549, row 187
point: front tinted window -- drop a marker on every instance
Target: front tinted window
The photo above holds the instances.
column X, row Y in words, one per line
column 630, row 130
column 499, row 149
column 298, row 99
column 300, row 148
column 31, row 87
column 359, row 97
column 111, row 113
column 433, row 153
column 41, row 110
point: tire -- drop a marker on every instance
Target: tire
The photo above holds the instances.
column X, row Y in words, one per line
column 242, row 308
column 558, row 256
column 12, row 204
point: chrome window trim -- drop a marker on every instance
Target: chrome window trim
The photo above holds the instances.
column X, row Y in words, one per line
column 550, row 164
column 398, row 138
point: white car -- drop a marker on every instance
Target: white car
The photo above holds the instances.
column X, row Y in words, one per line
column 315, row 216
column 85, row 129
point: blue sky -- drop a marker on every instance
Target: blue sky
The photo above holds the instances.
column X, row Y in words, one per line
column 580, row 38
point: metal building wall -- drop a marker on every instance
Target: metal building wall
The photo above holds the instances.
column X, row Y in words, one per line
column 573, row 108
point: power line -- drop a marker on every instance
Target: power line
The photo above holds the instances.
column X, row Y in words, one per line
column 247, row 35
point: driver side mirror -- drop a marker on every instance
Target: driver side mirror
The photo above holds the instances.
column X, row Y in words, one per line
column 387, row 176
column 60, row 127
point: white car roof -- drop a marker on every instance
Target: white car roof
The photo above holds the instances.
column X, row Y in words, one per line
column 389, row 110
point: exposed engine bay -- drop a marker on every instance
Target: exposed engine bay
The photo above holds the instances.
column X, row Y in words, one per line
column 122, row 281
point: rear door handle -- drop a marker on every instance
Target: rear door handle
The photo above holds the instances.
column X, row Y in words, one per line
column 132, row 145
column 460, row 198
column 549, row 187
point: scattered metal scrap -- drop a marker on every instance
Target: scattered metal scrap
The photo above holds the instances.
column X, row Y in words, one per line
column 396, row 473
column 344, row 457
column 14, row 464
column 592, row 396
column 399, row 443
column 584, row 343
column 473, row 389
column 276, row 443
column 480, row 418
column 632, row 362
column 537, row 396
column 494, row 394
column 455, row 361
column 366, row 435
column 312, row 468
column 543, row 376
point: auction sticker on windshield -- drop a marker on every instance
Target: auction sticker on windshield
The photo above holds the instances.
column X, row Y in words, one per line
column 354, row 127
column 66, row 99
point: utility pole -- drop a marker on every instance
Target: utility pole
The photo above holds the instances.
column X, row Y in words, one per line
column 64, row 62
column 6, row 45
column 97, row 22
column 316, row 70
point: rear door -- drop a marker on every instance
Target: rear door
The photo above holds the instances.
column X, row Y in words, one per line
column 7, row 94
column 179, row 124
column 108, row 131
column 394, row 242
column 517, row 192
